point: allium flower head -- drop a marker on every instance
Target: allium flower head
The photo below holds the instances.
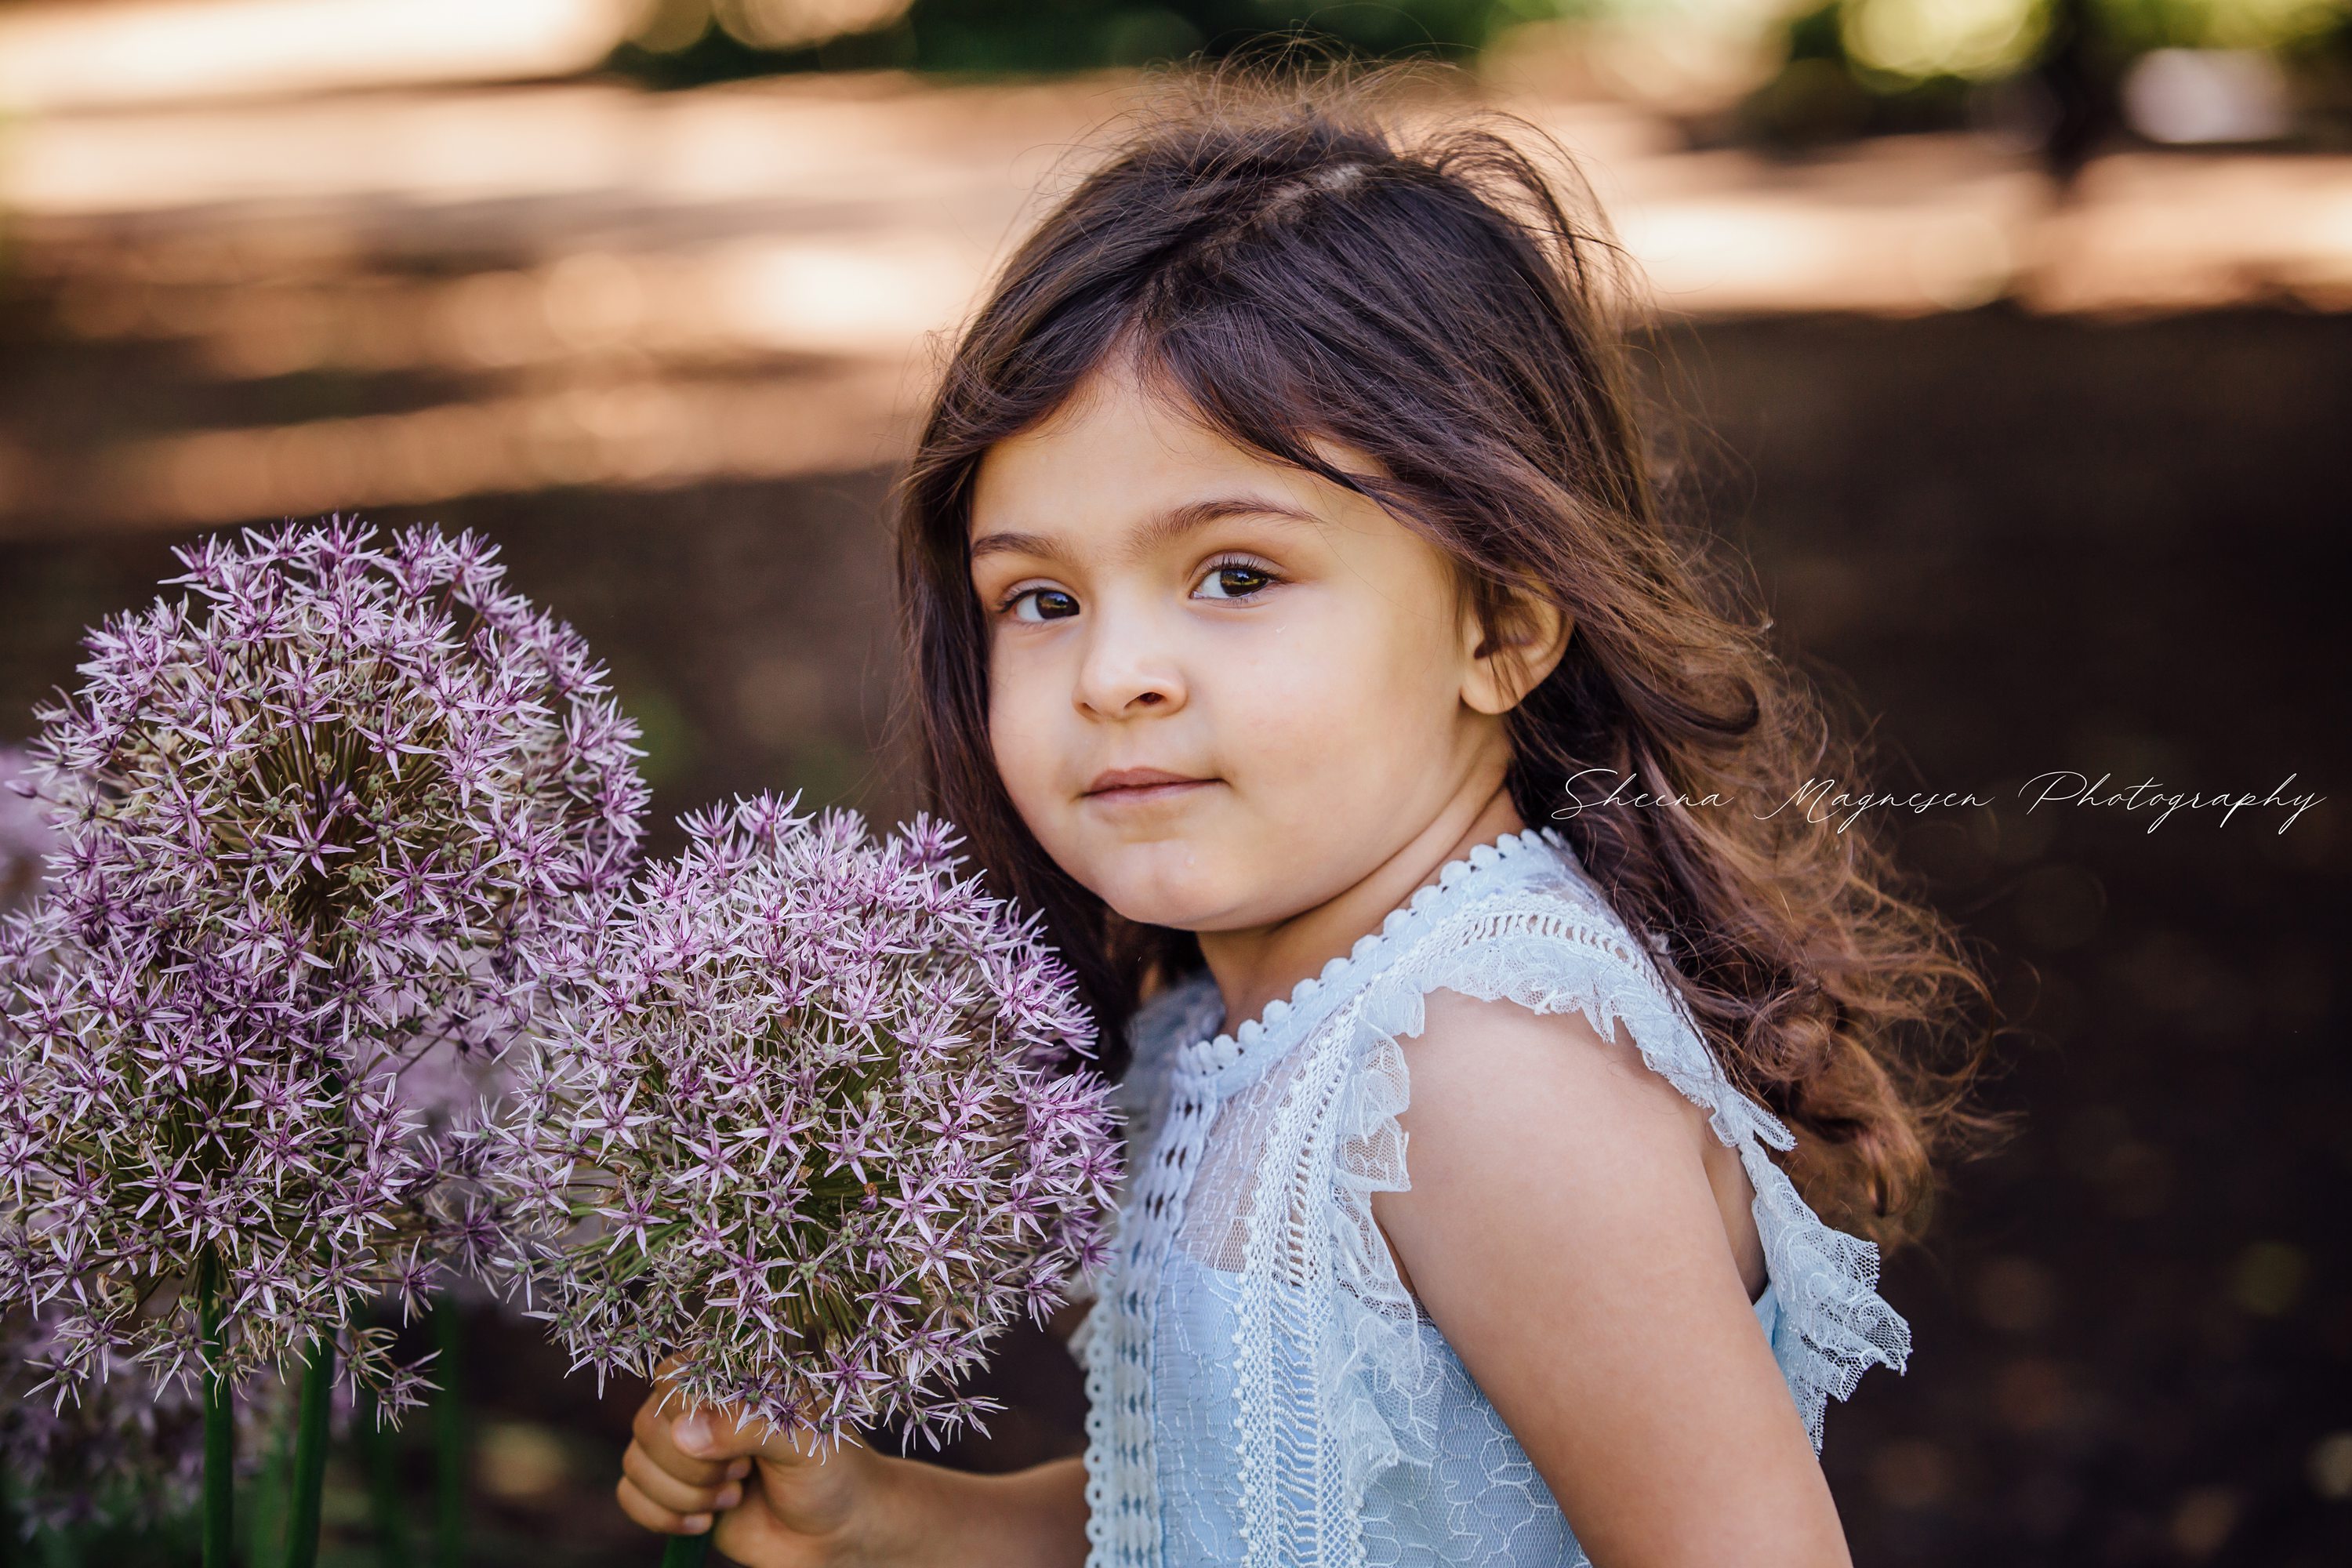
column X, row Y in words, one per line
column 811, row 1120
column 319, row 822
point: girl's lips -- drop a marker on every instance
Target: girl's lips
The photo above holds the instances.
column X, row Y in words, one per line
column 1125, row 778
column 1139, row 793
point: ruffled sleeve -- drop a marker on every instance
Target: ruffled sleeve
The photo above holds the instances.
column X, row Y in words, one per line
column 1553, row 944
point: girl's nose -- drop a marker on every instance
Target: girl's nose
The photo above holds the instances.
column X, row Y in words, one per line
column 1126, row 668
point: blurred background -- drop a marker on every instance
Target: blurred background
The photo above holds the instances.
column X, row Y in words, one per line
column 2011, row 340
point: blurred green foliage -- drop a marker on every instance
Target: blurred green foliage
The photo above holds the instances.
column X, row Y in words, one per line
column 1818, row 69
column 2222, row 24
column 2049, row 71
column 694, row 41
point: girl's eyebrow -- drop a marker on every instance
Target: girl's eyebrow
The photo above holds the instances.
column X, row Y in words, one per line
column 1151, row 534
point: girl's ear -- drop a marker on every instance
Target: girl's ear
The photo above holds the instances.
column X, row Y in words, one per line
column 1526, row 644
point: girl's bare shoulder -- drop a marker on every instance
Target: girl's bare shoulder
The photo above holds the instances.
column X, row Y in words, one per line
column 1504, row 1099
column 1491, row 1061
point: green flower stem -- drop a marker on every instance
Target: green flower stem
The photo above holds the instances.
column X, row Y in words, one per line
column 220, row 1426
column 449, row 1436
column 263, row 1519
column 688, row 1550
column 387, row 1507
column 311, row 1456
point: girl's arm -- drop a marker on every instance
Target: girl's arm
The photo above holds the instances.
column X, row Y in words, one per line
column 1035, row 1518
column 1561, row 1232
column 778, row 1506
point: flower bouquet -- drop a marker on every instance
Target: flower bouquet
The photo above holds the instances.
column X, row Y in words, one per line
column 806, row 1128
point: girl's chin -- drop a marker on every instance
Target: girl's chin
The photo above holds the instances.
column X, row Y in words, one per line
column 1154, row 903
column 1145, row 885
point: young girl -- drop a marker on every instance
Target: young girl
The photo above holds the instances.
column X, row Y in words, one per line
column 1294, row 623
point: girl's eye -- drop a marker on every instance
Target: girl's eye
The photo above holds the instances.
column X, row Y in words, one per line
column 1054, row 594
column 1221, row 571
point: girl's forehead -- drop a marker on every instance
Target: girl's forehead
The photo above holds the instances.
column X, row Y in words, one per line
column 1117, row 448
column 1113, row 417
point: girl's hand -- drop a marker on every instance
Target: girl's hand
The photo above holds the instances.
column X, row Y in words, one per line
column 776, row 1502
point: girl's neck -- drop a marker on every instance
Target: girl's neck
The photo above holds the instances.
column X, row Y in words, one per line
column 1255, row 966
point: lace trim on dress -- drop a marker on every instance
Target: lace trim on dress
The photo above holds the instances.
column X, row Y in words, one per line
column 1123, row 1504
column 1153, row 1032
column 1216, row 1055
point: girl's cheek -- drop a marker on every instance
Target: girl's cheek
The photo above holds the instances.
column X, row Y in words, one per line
column 1279, row 680
column 1292, row 724
column 1019, row 735
column 1385, row 703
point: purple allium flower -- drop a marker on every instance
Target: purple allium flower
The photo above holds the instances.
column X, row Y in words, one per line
column 126, row 1452
column 809, row 1119
column 320, row 823
column 24, row 836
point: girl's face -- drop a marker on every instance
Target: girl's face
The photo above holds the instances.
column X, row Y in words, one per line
column 1162, row 599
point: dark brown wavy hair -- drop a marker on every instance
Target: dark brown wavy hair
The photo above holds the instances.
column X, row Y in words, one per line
column 1277, row 247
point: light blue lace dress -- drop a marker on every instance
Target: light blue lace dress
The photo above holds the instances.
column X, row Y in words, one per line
column 1262, row 1390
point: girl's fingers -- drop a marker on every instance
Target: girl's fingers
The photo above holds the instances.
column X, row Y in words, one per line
column 654, row 1517
column 679, row 1497
column 716, row 1436
column 656, row 1433
column 798, row 1442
